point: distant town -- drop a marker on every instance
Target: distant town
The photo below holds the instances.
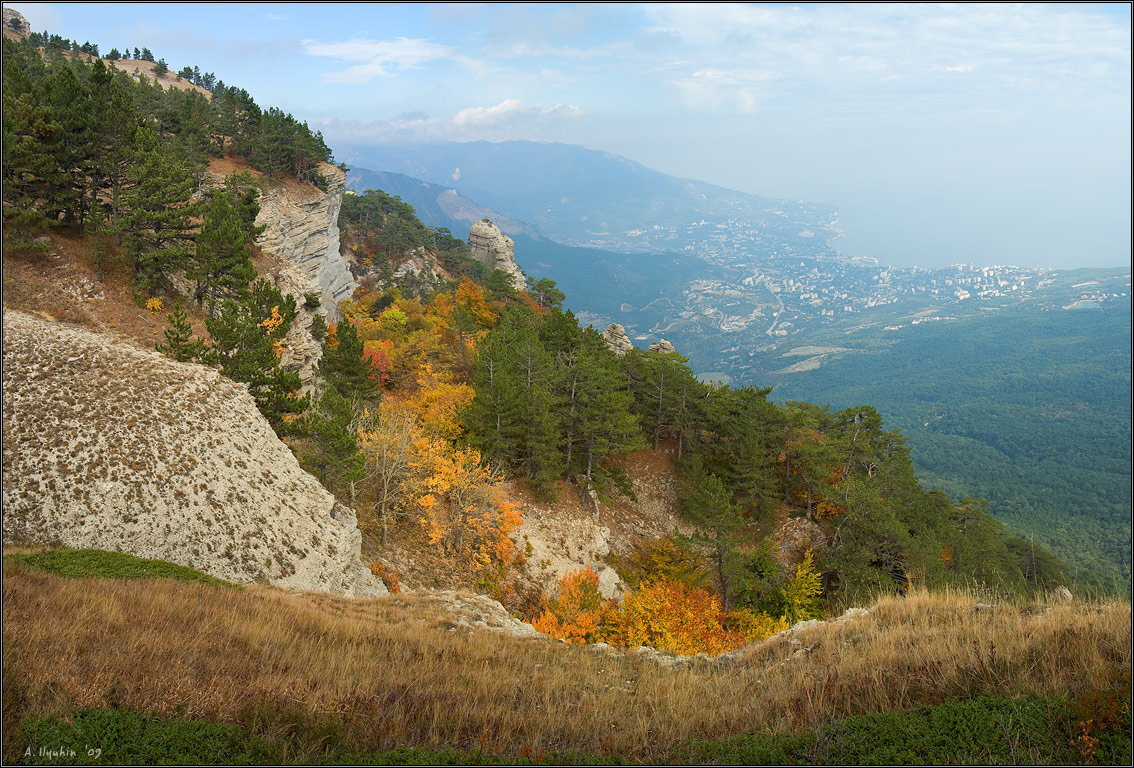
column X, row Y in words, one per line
column 767, row 280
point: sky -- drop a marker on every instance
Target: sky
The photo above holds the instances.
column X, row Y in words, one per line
column 992, row 134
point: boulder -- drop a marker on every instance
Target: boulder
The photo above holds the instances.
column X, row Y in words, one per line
column 108, row 446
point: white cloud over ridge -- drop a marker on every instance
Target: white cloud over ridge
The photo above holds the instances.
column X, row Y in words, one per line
column 510, row 119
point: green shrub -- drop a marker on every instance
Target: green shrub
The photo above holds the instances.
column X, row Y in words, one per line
column 983, row 731
column 80, row 563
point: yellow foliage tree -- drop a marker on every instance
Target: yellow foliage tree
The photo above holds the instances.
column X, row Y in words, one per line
column 801, row 593
column 470, row 297
column 463, row 507
column 387, row 443
column 438, row 402
column 672, row 617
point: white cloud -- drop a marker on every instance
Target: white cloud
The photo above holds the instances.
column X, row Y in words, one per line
column 509, row 119
column 713, row 89
column 851, row 49
column 376, row 58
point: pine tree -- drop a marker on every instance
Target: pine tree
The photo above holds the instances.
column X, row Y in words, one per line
column 513, row 414
column 246, row 345
column 665, row 394
column 157, row 209
column 69, row 101
column 31, row 170
column 115, row 108
column 179, row 343
column 332, row 447
column 603, row 422
column 707, row 503
column 750, row 431
column 222, row 263
column 345, row 367
column 243, row 190
column 545, row 293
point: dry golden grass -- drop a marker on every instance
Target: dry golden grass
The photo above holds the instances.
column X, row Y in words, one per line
column 399, row 673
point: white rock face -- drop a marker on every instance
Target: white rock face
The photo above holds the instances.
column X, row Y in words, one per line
column 663, row 346
column 560, row 544
column 114, row 447
column 302, row 226
column 15, row 22
column 616, row 338
column 491, row 247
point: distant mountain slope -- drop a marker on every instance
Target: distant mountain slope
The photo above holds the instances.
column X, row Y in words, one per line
column 436, row 205
column 580, row 196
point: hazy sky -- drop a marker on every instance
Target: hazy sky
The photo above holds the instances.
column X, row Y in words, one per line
column 983, row 133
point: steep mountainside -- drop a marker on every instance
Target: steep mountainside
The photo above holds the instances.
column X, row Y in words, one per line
column 112, row 447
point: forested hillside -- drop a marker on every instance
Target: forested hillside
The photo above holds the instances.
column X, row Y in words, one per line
column 1049, row 450
column 89, row 147
column 514, row 381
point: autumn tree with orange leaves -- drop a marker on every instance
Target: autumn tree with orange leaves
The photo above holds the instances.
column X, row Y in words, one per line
column 578, row 612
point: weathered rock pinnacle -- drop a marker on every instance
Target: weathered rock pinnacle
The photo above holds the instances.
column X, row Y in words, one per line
column 491, row 247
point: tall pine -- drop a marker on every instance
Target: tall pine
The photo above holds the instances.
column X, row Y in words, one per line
column 221, row 264
column 156, row 221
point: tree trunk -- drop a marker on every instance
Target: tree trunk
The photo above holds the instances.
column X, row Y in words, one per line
column 721, row 574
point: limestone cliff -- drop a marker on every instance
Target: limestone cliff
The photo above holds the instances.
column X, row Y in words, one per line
column 617, row 340
column 15, row 25
column 491, row 247
column 114, row 447
column 302, row 227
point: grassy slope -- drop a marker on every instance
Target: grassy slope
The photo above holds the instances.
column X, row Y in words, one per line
column 321, row 677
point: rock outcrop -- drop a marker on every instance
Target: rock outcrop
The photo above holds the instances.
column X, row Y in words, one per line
column 616, row 338
column 113, row 447
column 303, row 349
column 795, row 536
column 15, row 24
column 663, row 346
column 491, row 247
column 302, row 227
column 480, row 612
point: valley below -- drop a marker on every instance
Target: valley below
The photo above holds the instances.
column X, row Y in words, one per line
column 963, row 359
